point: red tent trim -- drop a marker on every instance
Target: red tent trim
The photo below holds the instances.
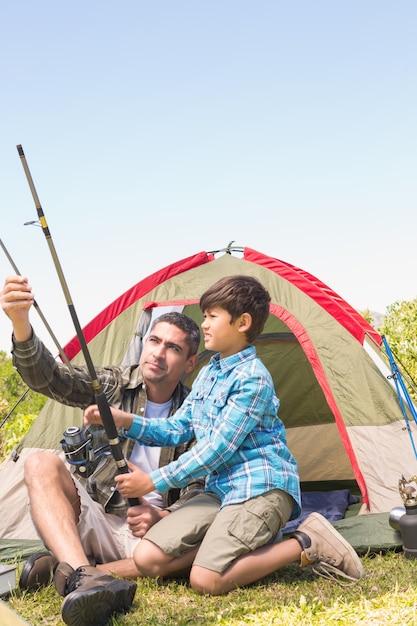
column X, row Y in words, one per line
column 151, row 304
column 320, row 293
column 133, row 294
column 311, row 354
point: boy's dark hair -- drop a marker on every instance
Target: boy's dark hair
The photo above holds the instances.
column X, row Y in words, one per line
column 184, row 323
column 240, row 294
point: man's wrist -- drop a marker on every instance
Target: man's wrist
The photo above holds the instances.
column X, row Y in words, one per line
column 20, row 335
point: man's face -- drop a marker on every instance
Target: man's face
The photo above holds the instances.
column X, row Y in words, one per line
column 165, row 358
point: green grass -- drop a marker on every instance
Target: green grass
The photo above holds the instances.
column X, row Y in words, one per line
column 386, row 595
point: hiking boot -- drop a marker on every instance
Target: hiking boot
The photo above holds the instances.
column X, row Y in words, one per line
column 38, row 571
column 326, row 551
column 62, row 573
column 92, row 597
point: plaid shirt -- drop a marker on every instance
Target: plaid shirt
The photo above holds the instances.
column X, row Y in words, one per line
column 124, row 388
column 241, row 443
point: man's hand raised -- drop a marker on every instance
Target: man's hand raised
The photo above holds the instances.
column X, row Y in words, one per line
column 16, row 299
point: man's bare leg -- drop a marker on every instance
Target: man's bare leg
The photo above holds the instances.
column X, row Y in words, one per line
column 55, row 507
column 90, row 597
column 55, row 510
column 125, row 568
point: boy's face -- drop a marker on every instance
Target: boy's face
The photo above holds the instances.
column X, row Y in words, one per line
column 221, row 334
column 164, row 357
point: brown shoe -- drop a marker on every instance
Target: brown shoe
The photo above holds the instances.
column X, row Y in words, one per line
column 92, row 597
column 62, row 573
column 326, row 551
column 38, row 571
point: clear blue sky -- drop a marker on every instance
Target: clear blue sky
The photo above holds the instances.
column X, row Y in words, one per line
column 154, row 130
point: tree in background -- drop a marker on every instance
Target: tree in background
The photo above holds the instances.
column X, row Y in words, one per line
column 368, row 316
column 27, row 403
column 399, row 325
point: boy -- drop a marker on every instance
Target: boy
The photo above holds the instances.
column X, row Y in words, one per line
column 226, row 534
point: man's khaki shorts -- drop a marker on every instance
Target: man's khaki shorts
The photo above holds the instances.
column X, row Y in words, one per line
column 223, row 534
column 104, row 537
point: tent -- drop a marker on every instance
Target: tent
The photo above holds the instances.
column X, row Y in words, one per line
column 344, row 419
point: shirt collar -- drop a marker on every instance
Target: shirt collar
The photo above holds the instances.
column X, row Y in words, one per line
column 230, row 362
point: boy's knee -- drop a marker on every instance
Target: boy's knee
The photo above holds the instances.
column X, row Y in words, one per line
column 146, row 561
column 147, row 570
column 205, row 582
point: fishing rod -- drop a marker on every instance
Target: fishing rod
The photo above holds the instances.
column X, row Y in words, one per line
column 16, row 404
column 41, row 315
column 101, row 400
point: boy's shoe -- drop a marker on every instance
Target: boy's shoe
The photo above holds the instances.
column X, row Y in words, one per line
column 326, row 551
column 38, row 571
column 92, row 597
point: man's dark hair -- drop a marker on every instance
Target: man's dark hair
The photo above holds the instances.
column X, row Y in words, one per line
column 239, row 294
column 184, row 323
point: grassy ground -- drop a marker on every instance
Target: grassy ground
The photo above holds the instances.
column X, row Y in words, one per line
column 387, row 595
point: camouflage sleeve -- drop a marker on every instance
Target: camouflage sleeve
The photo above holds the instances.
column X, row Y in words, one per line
column 44, row 374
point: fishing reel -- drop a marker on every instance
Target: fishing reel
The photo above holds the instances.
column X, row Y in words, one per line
column 78, row 446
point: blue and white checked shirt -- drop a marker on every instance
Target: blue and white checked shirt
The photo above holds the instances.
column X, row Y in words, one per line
column 241, row 443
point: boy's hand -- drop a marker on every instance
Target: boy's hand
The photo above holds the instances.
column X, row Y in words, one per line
column 121, row 418
column 135, row 484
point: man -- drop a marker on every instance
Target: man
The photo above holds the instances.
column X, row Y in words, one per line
column 84, row 522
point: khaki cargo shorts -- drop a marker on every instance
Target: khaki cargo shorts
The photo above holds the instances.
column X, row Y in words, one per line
column 223, row 534
column 104, row 537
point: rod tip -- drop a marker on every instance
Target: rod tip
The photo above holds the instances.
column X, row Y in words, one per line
column 20, row 150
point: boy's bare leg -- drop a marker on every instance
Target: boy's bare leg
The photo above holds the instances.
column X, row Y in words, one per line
column 153, row 562
column 315, row 542
column 246, row 569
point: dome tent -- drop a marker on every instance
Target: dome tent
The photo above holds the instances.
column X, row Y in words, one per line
column 342, row 413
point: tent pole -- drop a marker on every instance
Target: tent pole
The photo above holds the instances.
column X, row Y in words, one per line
column 401, row 391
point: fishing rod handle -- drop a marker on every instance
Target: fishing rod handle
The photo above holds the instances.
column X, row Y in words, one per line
column 113, row 437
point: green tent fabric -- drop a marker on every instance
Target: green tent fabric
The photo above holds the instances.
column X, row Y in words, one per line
column 341, row 410
column 12, row 550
